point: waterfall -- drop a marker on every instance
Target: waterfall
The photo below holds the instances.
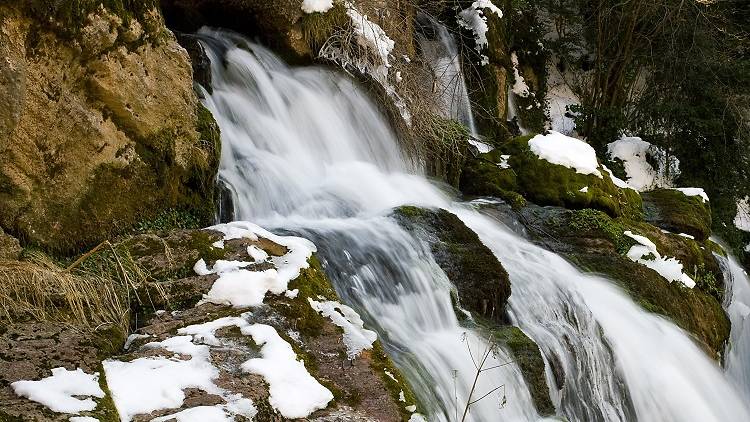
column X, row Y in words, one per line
column 438, row 47
column 737, row 306
column 305, row 150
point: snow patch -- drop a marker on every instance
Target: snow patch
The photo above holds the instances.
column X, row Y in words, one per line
column 321, row 6
column 356, row 337
column 617, row 181
column 519, row 86
column 293, row 391
column 584, row 189
column 641, row 175
column 742, row 219
column 566, row 151
column 645, row 253
column 481, row 146
column 503, row 164
column 239, row 287
column 58, row 391
column 694, row 192
column 474, row 19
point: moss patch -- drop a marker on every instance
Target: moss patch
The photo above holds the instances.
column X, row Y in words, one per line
column 674, row 211
column 529, row 359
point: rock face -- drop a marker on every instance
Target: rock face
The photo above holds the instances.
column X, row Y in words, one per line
column 99, row 124
column 674, row 211
column 482, row 282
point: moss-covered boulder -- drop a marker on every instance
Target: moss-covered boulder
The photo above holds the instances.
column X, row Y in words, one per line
column 528, row 357
column 482, row 282
column 596, row 243
column 672, row 210
column 10, row 248
column 513, row 167
column 103, row 127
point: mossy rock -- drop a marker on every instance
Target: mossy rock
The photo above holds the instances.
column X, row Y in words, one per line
column 674, row 211
column 596, row 243
column 483, row 284
column 483, row 176
column 528, row 357
column 545, row 183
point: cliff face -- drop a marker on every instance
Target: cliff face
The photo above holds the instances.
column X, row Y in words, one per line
column 99, row 124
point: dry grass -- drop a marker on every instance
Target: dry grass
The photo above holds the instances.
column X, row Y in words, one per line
column 98, row 292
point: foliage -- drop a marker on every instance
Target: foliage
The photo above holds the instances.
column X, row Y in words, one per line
column 169, row 219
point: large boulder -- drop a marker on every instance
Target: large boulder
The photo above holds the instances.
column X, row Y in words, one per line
column 675, row 211
column 513, row 167
column 482, row 282
column 99, row 124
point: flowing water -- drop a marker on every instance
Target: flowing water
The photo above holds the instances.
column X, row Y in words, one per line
column 737, row 305
column 305, row 150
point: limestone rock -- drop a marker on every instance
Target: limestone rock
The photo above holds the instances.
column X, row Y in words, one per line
column 100, row 126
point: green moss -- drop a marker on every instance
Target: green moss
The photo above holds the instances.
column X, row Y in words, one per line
column 528, row 357
column 589, row 220
column 105, row 407
column 318, row 27
column 545, row 183
column 312, row 283
column 167, row 220
column 380, row 363
column 67, row 18
column 674, row 211
column 482, row 282
column 444, row 145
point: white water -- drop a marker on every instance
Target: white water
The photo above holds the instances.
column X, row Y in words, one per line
column 305, row 150
column 737, row 305
column 441, row 52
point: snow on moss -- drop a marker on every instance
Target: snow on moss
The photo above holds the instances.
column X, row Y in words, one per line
column 645, row 253
column 292, row 390
column 321, row 6
column 566, row 151
column 356, row 337
column 635, row 155
column 694, row 192
column 61, row 391
column 474, row 19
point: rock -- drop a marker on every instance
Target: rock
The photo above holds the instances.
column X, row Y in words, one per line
column 29, row 350
column 529, row 359
column 482, row 282
column 674, row 211
column 544, row 183
column 273, row 22
column 10, row 248
column 595, row 243
column 103, row 127
column 198, row 59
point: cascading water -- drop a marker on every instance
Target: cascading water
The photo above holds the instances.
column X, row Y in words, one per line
column 305, row 150
column 439, row 48
column 618, row 362
column 737, row 306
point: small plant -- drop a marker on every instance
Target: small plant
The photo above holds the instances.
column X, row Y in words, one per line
column 169, row 220
column 482, row 363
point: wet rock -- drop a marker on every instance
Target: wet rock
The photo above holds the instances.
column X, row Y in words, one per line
column 674, row 211
column 482, row 282
column 529, row 359
column 198, row 59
